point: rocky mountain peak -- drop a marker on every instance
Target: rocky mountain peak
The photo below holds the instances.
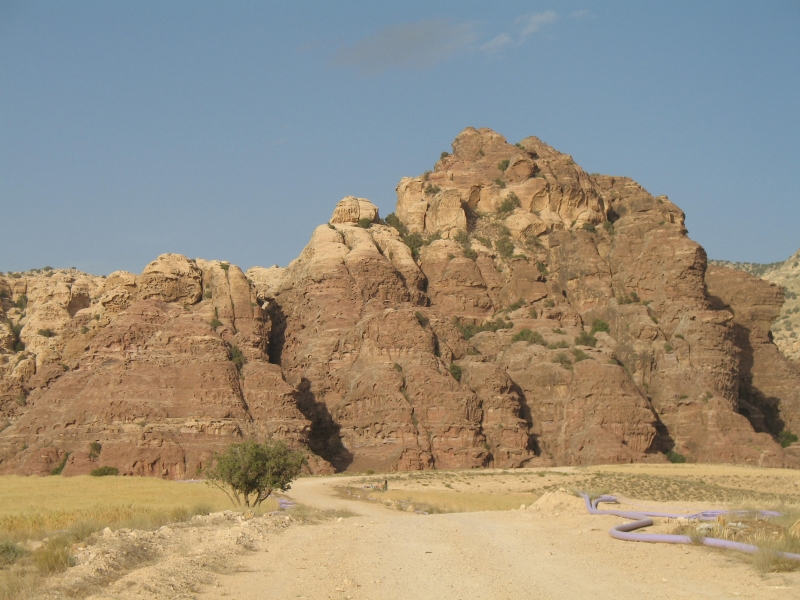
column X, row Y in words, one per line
column 514, row 311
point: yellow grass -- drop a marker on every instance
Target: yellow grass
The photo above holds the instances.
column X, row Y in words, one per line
column 32, row 507
column 437, row 501
column 65, row 510
column 702, row 486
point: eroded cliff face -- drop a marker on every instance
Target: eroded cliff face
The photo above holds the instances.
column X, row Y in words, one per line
column 515, row 311
column 786, row 328
column 769, row 394
column 143, row 367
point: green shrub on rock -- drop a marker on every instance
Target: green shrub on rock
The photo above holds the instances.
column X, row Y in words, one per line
column 104, row 472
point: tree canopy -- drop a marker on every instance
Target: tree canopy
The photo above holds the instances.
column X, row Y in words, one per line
column 249, row 472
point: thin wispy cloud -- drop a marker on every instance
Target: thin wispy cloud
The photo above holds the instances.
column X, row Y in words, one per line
column 419, row 45
column 533, row 23
column 497, row 44
column 425, row 44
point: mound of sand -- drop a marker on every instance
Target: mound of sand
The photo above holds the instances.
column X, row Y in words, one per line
column 559, row 502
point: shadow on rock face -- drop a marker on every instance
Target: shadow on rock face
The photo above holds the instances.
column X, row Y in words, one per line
column 325, row 439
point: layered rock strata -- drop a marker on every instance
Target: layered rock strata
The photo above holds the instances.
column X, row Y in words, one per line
column 514, row 311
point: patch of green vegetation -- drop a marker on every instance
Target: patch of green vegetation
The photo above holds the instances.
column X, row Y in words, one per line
column 10, row 553
column 444, row 155
column 249, row 472
column 470, row 330
column 585, row 339
column 484, row 241
column 786, row 438
column 542, row 269
column 515, row 305
column 509, row 203
column 600, row 325
column 207, row 294
column 503, row 164
column 431, row 189
column 364, row 223
column 392, row 220
column 215, row 322
column 609, row 227
column 48, row 333
column 104, row 472
column 421, row 319
column 94, row 450
column 562, row 359
column 236, row 357
column 557, row 345
column 500, row 183
column 668, row 348
column 589, row 227
column 504, row 246
column 579, row 355
column 455, row 371
column 225, row 266
column 533, row 243
column 674, row 457
column 532, row 337
column 414, row 241
column 22, row 302
column 462, row 239
column 632, row 298
column 60, row 467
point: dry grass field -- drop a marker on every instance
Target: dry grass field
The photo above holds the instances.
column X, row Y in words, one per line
column 34, row 507
column 43, row 518
column 464, row 491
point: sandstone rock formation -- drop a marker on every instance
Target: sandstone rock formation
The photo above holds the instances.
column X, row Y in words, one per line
column 786, row 328
column 769, row 383
column 514, row 311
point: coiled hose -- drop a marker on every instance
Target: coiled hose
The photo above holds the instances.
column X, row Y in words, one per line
column 642, row 519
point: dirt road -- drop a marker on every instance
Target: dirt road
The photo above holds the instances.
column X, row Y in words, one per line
column 385, row 554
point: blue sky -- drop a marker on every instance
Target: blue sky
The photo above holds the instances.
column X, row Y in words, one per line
column 230, row 130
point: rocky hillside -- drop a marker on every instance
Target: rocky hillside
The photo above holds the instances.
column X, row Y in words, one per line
column 786, row 329
column 514, row 310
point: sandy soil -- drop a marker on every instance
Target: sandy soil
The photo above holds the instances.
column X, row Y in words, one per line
column 551, row 550
column 557, row 552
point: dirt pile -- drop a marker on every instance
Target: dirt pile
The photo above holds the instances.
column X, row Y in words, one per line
column 557, row 503
column 515, row 311
column 144, row 564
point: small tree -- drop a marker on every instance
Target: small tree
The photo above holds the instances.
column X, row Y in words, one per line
column 249, row 472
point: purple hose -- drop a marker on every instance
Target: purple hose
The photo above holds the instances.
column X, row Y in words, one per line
column 642, row 519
